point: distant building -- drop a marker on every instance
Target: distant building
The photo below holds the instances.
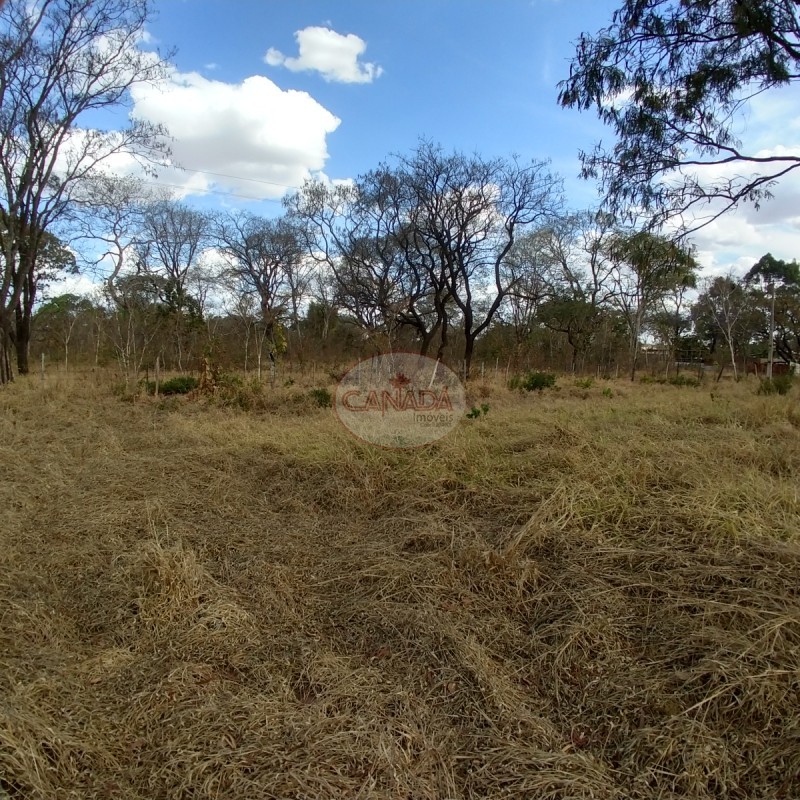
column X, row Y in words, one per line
column 758, row 366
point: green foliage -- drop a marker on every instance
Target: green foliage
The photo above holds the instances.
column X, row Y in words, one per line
column 779, row 384
column 180, row 384
column 607, row 392
column 684, row 380
column 322, row 397
column 533, row 381
column 584, row 383
column 689, row 68
column 477, row 412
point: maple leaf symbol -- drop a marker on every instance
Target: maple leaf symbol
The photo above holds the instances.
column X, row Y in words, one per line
column 400, row 381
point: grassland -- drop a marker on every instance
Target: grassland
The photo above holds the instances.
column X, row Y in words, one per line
column 578, row 596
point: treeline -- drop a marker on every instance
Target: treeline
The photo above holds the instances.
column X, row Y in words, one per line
column 470, row 260
column 459, row 257
column 456, row 256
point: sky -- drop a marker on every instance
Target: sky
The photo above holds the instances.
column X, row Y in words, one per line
column 266, row 93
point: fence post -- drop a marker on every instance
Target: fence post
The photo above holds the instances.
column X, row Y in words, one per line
column 158, row 375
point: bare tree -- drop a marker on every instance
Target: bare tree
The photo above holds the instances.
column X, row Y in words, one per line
column 352, row 230
column 726, row 301
column 60, row 61
column 580, row 284
column 469, row 211
column 266, row 257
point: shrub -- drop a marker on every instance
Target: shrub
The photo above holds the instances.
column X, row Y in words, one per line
column 225, row 381
column 684, row 380
column 477, row 413
column 607, row 392
column 180, row 384
column 322, row 397
column 779, row 384
column 533, row 381
column 584, row 383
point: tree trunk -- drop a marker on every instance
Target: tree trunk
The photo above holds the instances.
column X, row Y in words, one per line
column 6, row 376
column 733, row 359
column 22, row 340
column 469, row 347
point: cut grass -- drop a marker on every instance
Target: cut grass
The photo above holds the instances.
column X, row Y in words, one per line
column 578, row 598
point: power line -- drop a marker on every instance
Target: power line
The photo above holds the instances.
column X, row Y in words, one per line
column 238, row 177
column 206, row 191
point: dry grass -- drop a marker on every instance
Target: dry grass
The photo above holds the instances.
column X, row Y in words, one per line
column 576, row 597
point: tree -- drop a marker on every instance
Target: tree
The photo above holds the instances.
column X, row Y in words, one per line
column 58, row 317
column 782, row 280
column 264, row 257
column 169, row 251
column 580, row 283
column 726, row 302
column 32, row 273
column 467, row 213
column 672, row 78
column 646, row 267
column 61, row 60
column 385, row 275
column 426, row 238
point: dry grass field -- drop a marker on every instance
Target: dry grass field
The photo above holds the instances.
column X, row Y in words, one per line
column 578, row 596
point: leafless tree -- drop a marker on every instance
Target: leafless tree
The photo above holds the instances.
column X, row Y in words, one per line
column 266, row 257
column 469, row 211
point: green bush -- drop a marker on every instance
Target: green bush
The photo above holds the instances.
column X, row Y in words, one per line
column 684, row 380
column 180, row 384
column 584, row 383
column 322, row 397
column 779, row 384
column 533, row 381
column 477, row 413
column 607, row 392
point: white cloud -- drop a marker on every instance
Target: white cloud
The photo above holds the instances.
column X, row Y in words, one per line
column 737, row 239
column 257, row 138
column 334, row 55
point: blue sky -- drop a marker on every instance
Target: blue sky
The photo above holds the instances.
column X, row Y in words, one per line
column 266, row 93
column 472, row 75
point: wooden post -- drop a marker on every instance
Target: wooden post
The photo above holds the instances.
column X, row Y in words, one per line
column 158, row 374
column 482, row 370
column 497, row 366
column 42, row 367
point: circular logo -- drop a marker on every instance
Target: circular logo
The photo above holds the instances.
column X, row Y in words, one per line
column 400, row 400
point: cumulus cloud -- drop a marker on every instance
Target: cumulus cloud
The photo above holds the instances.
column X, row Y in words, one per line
column 256, row 138
column 334, row 55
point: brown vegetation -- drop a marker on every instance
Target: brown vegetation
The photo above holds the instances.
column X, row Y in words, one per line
column 577, row 596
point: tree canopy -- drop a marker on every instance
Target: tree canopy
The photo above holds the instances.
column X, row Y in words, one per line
column 671, row 78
